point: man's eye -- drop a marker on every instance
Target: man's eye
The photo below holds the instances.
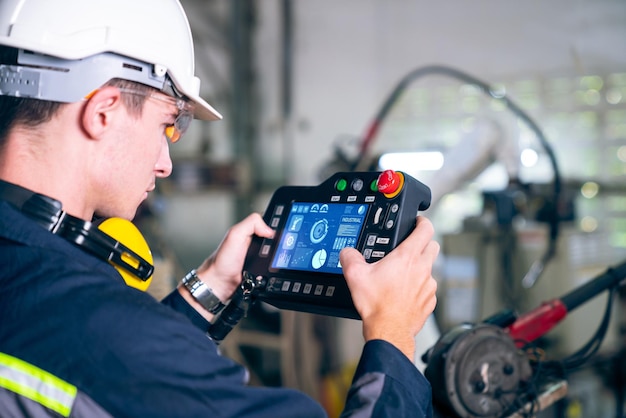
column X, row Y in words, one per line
column 172, row 133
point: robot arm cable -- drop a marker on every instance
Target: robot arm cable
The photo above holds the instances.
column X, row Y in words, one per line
column 537, row 268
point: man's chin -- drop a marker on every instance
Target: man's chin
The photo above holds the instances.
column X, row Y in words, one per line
column 127, row 215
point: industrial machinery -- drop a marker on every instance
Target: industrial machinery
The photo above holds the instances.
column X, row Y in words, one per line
column 494, row 369
column 491, row 268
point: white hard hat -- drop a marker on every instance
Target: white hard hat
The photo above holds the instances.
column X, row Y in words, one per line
column 68, row 48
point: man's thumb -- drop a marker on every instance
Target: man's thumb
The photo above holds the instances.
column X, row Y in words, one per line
column 349, row 256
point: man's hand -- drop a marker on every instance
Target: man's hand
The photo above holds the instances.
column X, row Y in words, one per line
column 221, row 271
column 396, row 294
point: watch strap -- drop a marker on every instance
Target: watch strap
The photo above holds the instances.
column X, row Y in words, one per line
column 202, row 293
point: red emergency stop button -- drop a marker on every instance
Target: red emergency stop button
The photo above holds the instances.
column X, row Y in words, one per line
column 390, row 183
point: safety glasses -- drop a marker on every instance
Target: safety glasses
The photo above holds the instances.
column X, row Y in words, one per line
column 185, row 112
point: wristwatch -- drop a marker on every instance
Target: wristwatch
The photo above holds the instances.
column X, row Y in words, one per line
column 202, row 293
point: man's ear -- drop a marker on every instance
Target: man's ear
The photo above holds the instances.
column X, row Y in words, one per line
column 101, row 110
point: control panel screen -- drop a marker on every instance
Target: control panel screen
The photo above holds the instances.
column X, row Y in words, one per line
column 315, row 233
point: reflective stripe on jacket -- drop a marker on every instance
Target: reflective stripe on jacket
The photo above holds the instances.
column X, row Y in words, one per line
column 28, row 391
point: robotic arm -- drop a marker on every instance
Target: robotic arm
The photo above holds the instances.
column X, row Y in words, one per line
column 475, row 152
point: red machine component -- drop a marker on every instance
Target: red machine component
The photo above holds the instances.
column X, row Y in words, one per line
column 537, row 322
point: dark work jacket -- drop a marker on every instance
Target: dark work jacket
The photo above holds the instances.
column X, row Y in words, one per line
column 78, row 337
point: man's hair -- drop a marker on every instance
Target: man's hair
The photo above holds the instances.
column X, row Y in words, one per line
column 30, row 112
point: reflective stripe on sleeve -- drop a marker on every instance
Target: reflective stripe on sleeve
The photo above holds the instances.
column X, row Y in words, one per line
column 36, row 384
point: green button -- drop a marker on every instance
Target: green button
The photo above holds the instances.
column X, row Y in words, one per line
column 341, row 185
column 374, row 186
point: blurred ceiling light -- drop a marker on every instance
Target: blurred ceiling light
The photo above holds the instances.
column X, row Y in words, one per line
column 592, row 97
column 614, row 96
column 411, row 161
column 588, row 224
column 621, row 153
column 590, row 189
column 529, row 157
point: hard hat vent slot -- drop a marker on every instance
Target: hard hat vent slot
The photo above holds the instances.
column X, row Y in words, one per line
column 132, row 67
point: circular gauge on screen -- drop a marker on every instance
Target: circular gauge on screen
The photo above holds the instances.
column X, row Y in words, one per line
column 319, row 231
column 319, row 258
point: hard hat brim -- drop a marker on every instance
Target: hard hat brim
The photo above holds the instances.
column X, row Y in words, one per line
column 203, row 110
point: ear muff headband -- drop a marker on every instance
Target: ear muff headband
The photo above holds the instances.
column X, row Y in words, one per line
column 115, row 240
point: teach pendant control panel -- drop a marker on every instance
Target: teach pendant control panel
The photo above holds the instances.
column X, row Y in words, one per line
column 300, row 267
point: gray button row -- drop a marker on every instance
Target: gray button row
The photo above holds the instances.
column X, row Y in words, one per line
column 307, row 288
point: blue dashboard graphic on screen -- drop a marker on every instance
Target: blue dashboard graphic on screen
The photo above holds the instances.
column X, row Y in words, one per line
column 315, row 233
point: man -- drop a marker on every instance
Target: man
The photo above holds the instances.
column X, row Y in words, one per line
column 91, row 95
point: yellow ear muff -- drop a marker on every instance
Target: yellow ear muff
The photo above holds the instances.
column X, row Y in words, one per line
column 130, row 238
